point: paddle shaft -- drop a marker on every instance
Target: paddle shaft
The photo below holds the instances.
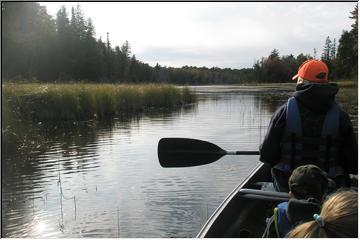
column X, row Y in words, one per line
column 222, row 152
column 242, row 152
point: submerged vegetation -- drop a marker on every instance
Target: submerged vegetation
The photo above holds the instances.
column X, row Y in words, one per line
column 25, row 106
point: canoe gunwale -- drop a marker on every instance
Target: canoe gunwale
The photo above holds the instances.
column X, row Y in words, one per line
column 204, row 230
column 263, row 195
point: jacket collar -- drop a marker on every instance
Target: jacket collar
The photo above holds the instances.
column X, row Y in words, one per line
column 316, row 97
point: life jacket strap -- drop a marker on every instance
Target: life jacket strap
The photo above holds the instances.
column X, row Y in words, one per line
column 293, row 120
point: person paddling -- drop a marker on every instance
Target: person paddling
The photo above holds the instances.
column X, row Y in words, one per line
column 311, row 128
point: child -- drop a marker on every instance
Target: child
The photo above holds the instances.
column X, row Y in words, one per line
column 338, row 219
column 308, row 186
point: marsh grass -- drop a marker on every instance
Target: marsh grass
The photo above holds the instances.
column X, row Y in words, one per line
column 348, row 83
column 84, row 101
column 26, row 105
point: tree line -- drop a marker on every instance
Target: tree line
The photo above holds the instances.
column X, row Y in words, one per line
column 36, row 46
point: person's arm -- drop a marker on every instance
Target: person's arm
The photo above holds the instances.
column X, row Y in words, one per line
column 349, row 150
column 270, row 149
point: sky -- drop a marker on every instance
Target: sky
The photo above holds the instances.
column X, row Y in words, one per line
column 215, row 34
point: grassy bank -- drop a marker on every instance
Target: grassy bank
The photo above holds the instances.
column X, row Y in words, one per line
column 352, row 83
column 346, row 83
column 25, row 107
column 86, row 101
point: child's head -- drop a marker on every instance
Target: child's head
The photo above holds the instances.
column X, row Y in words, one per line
column 338, row 219
column 308, row 181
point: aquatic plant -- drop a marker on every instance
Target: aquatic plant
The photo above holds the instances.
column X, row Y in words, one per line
column 85, row 101
column 26, row 105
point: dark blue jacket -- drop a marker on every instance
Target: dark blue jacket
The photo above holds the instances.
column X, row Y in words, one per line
column 314, row 101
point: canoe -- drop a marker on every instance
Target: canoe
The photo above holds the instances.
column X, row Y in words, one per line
column 243, row 213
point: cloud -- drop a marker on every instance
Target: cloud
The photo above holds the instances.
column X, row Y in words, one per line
column 227, row 57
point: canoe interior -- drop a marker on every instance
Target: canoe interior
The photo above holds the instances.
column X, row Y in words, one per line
column 243, row 213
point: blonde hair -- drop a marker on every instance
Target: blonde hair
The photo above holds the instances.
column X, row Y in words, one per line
column 340, row 218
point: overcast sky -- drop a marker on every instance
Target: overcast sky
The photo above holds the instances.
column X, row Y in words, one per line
column 230, row 34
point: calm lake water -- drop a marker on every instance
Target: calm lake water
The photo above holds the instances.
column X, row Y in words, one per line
column 103, row 179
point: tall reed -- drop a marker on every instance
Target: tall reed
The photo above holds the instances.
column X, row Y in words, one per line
column 85, row 101
column 24, row 105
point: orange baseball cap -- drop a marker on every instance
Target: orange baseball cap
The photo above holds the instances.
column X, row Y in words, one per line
column 314, row 71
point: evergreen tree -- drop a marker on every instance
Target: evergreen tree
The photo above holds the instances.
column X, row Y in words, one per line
column 101, row 47
column 63, row 49
column 109, row 60
column 28, row 37
column 125, row 61
column 326, row 51
column 302, row 58
column 354, row 33
column 91, row 55
column 274, row 68
column 345, row 56
column 34, row 45
column 133, row 70
column 354, row 30
column 347, row 51
column 328, row 56
column 274, row 55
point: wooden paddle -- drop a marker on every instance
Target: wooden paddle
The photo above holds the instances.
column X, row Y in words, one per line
column 187, row 152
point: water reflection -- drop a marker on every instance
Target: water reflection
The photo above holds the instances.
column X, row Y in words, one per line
column 103, row 179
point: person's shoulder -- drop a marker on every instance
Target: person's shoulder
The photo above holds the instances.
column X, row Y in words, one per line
column 280, row 110
column 344, row 114
column 283, row 204
column 344, row 119
column 280, row 115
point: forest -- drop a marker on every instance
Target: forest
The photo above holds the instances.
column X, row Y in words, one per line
column 38, row 48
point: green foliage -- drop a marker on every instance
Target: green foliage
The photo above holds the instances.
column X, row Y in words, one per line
column 347, row 54
column 28, row 37
column 64, row 49
column 278, row 69
column 354, row 30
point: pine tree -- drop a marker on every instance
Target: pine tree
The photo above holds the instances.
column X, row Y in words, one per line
column 354, row 33
column 333, row 51
column 326, row 50
column 126, row 49
column 347, row 51
column 27, row 41
column 108, row 45
column 125, row 61
column 63, row 49
column 274, row 54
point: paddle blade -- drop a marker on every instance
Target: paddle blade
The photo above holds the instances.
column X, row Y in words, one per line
column 186, row 152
